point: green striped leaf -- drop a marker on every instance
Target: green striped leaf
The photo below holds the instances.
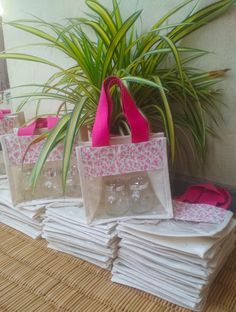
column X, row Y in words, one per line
column 169, row 118
column 71, row 134
column 52, row 140
column 104, row 14
column 115, row 42
column 27, row 57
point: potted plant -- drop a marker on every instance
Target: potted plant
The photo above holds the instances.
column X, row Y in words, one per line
column 175, row 97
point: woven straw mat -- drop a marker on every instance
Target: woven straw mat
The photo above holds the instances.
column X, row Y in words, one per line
column 35, row 278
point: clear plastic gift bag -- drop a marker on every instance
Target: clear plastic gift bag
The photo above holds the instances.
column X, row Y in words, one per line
column 19, row 165
column 123, row 177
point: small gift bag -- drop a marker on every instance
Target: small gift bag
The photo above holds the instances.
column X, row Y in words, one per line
column 9, row 121
column 19, row 165
column 121, row 179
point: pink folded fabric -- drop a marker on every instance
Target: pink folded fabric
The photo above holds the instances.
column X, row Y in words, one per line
column 206, row 194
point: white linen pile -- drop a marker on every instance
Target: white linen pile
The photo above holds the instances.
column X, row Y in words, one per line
column 66, row 230
column 172, row 259
column 2, row 166
column 27, row 219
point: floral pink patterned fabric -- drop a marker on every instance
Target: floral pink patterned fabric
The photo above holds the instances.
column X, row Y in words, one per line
column 17, row 146
column 6, row 126
column 123, row 158
column 198, row 212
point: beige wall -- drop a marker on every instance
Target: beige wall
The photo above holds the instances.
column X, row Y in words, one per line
column 218, row 37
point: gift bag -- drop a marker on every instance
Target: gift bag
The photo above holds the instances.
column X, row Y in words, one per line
column 19, row 165
column 9, row 121
column 124, row 177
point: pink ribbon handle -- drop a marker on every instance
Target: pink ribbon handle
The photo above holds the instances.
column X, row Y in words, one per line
column 139, row 125
column 4, row 112
column 39, row 123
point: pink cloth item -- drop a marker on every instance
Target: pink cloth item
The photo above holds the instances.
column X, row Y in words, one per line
column 39, row 123
column 206, row 194
column 138, row 123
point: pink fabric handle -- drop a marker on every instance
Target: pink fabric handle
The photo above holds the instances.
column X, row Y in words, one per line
column 4, row 112
column 138, row 123
column 39, row 123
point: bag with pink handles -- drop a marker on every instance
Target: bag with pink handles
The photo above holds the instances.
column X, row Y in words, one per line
column 20, row 159
column 123, row 177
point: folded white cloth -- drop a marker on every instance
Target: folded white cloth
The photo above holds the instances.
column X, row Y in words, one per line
column 30, row 225
column 3, row 182
column 2, row 166
column 197, row 246
column 28, row 219
column 66, row 230
column 178, row 228
column 172, row 259
column 58, row 201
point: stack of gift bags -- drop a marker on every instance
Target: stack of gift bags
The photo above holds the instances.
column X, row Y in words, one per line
column 26, row 217
column 21, row 207
column 88, row 228
column 178, row 259
column 66, row 230
column 25, row 209
column 119, row 181
column 170, row 249
column 126, row 179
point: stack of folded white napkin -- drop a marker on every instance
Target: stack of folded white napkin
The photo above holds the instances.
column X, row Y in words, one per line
column 66, row 230
column 26, row 218
column 173, row 259
column 2, row 166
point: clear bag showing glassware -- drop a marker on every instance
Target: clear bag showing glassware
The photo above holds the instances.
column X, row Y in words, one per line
column 121, row 179
column 19, row 165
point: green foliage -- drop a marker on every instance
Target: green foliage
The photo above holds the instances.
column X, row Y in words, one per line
column 173, row 96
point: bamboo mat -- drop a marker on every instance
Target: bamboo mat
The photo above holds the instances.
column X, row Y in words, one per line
column 35, row 278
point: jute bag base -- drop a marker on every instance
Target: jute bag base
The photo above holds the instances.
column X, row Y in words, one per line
column 49, row 185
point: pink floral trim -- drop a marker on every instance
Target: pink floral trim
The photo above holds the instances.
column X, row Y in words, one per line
column 122, row 158
column 6, row 126
column 17, row 146
column 198, row 212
